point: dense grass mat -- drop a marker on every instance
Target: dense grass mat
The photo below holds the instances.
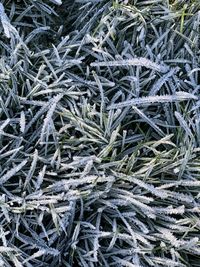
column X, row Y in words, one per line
column 99, row 133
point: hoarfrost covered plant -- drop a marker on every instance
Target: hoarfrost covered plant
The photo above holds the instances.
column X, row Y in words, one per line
column 99, row 133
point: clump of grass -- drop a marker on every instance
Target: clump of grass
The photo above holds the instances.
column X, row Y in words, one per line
column 99, row 133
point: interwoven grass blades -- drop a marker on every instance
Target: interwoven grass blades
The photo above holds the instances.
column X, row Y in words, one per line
column 99, row 133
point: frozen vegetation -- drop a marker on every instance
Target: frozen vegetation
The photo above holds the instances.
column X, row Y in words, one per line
column 99, row 133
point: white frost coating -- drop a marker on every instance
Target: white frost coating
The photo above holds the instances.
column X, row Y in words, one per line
column 5, row 22
column 55, row 100
column 22, row 122
column 12, row 172
column 4, row 124
column 144, row 62
column 57, row 2
column 158, row 85
column 147, row 101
